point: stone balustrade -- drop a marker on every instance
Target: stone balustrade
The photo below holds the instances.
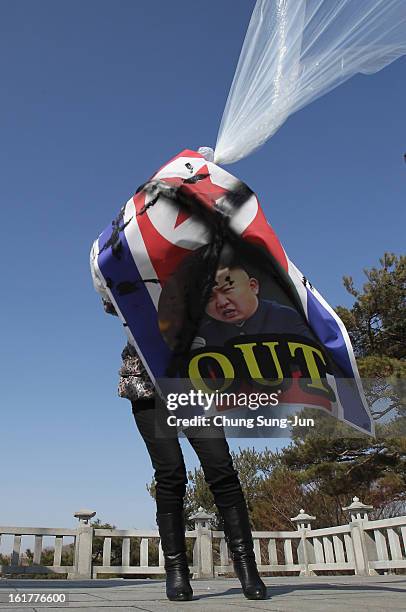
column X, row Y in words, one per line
column 361, row 547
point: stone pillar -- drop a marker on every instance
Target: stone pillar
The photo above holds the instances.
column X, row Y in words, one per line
column 305, row 552
column 83, row 546
column 363, row 545
column 203, row 553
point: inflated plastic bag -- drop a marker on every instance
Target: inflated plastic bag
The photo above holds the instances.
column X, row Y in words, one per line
column 297, row 50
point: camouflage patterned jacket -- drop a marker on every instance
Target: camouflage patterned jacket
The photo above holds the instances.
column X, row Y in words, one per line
column 134, row 380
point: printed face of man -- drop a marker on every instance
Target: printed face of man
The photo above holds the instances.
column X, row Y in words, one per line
column 234, row 296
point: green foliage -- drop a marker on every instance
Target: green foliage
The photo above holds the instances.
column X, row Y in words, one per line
column 376, row 322
column 252, row 467
column 339, row 468
column 4, row 559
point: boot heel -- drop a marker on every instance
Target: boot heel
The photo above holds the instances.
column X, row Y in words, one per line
column 172, row 532
column 238, row 536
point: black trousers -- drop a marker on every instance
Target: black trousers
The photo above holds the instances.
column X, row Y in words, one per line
column 168, row 462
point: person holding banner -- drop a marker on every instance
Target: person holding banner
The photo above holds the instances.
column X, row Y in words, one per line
column 293, row 53
column 170, row 475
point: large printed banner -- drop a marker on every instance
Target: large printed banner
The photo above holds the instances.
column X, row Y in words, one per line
column 206, row 292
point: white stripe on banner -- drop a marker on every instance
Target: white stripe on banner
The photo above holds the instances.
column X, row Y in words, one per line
column 337, row 407
column 297, row 278
column 139, row 251
column 178, row 168
column 240, row 219
column 100, row 282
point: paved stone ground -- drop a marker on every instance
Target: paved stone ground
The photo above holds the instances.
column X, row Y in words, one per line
column 290, row 594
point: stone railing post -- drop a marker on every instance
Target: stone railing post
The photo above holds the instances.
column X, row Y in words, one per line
column 363, row 545
column 305, row 552
column 83, row 546
column 203, row 551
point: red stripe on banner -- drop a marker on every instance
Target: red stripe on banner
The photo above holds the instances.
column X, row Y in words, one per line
column 164, row 255
column 296, row 395
column 261, row 233
column 204, row 190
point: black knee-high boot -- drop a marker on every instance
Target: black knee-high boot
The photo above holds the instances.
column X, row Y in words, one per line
column 172, row 531
column 238, row 535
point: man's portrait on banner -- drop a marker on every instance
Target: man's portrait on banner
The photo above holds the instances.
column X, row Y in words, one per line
column 237, row 305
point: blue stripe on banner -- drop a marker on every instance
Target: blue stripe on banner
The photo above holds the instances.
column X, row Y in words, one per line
column 137, row 306
column 354, row 410
column 329, row 334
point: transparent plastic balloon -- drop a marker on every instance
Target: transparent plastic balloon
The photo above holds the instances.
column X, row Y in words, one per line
column 297, row 50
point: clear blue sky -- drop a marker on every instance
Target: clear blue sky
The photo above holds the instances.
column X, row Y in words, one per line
column 95, row 96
